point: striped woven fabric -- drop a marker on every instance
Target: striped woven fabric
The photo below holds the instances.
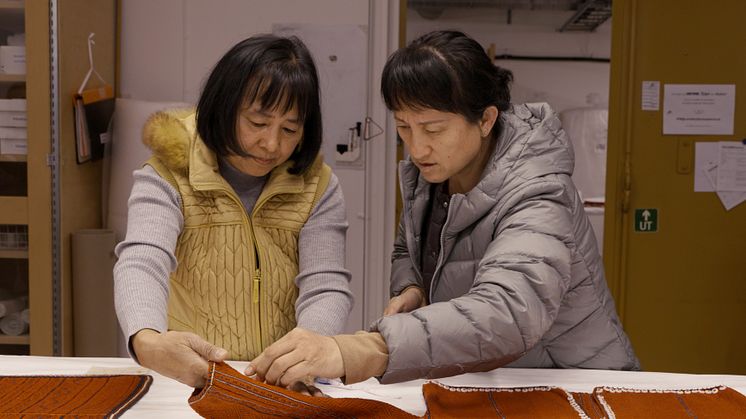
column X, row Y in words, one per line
column 230, row 394
column 99, row 396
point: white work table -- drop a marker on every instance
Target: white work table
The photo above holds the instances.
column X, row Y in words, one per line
column 168, row 398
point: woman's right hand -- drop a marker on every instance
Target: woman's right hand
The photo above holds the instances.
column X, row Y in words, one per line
column 182, row 356
column 410, row 299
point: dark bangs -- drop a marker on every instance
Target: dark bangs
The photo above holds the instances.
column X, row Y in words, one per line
column 276, row 72
column 279, row 87
column 420, row 79
column 449, row 72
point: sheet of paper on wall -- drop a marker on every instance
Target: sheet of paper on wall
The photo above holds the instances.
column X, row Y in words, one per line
column 651, row 93
column 708, row 169
column 698, row 109
column 732, row 166
column 730, row 199
column 706, row 155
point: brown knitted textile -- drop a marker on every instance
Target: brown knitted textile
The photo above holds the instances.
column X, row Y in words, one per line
column 230, row 394
column 714, row 403
column 99, row 396
column 527, row 402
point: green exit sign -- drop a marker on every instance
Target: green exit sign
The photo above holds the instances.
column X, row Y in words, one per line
column 646, row 220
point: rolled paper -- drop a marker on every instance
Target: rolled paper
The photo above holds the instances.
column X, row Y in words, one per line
column 13, row 324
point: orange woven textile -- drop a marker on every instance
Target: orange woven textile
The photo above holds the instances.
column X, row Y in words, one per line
column 100, row 396
column 715, row 403
column 445, row 402
column 230, row 394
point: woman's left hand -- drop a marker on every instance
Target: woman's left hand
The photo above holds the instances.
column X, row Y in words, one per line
column 298, row 354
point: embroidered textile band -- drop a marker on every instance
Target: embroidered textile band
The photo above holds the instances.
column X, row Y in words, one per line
column 230, row 394
column 99, row 396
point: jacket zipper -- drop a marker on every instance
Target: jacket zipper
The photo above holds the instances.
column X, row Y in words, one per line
column 440, row 251
column 415, row 266
column 257, row 278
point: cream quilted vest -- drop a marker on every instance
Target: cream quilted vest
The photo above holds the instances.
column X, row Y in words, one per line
column 234, row 283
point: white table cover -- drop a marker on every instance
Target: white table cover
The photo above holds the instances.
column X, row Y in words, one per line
column 168, row 398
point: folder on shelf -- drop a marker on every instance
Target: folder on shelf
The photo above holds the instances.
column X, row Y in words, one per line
column 93, row 112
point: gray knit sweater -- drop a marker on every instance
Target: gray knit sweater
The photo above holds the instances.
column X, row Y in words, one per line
column 154, row 222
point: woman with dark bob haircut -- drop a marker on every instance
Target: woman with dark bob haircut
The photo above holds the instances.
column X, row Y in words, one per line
column 495, row 263
column 236, row 227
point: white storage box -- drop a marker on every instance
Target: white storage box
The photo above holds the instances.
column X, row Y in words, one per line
column 12, row 59
column 13, row 146
column 15, row 133
column 13, row 119
column 13, row 113
column 15, row 105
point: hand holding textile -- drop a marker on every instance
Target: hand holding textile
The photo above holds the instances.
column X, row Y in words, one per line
column 296, row 355
column 182, row 356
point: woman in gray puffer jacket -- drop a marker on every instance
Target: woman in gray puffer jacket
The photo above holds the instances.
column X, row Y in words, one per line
column 495, row 263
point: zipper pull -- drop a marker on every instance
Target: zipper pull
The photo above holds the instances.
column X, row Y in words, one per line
column 257, row 280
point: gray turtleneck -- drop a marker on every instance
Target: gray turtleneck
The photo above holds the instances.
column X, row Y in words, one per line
column 154, row 222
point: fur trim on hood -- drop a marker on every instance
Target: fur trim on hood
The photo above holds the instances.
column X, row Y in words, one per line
column 166, row 133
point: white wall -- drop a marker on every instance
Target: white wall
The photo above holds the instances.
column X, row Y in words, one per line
column 169, row 46
column 563, row 84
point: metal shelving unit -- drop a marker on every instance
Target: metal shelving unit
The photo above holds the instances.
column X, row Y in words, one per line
column 14, row 214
